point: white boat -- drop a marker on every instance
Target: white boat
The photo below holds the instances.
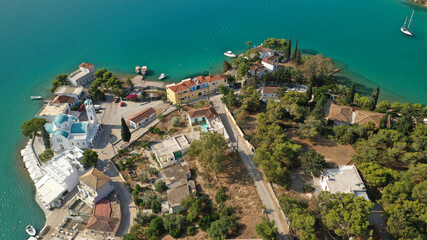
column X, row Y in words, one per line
column 144, row 70
column 35, row 97
column 405, row 30
column 230, row 54
column 162, row 76
column 30, row 230
column 138, row 69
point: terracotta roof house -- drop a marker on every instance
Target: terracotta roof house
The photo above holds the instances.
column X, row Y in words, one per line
column 105, row 220
column 94, row 185
column 347, row 115
column 191, row 89
column 140, row 119
column 175, row 175
column 209, row 120
column 65, row 99
column 340, row 114
column 203, row 113
column 271, row 63
column 362, row 117
column 269, row 92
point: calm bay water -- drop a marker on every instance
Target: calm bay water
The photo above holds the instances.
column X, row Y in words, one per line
column 40, row 39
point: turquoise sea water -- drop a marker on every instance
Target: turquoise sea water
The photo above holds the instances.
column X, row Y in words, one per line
column 40, row 39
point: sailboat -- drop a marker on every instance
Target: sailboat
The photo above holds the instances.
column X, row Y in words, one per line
column 404, row 29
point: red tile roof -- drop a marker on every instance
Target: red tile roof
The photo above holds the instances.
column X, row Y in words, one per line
column 270, row 59
column 142, row 115
column 103, row 208
column 103, row 224
column 186, row 84
column 208, row 112
column 255, row 66
column 86, row 65
column 270, row 90
column 63, row 99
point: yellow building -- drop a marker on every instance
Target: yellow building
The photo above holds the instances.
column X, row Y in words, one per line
column 191, row 89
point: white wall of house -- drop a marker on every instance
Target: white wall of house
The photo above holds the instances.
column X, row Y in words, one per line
column 142, row 122
column 104, row 191
column 265, row 54
column 270, row 67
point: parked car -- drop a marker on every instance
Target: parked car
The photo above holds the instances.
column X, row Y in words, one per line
column 122, row 104
column 116, row 100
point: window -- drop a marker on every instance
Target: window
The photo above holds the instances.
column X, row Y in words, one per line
column 59, row 140
column 77, row 143
column 83, row 143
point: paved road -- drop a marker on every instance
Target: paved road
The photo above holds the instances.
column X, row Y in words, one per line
column 110, row 119
column 246, row 154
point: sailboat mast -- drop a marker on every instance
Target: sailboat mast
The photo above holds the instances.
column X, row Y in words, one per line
column 404, row 24
column 410, row 21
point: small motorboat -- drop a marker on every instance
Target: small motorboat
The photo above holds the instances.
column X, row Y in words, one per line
column 144, row 70
column 162, row 76
column 35, row 97
column 137, row 69
column 230, row 54
column 30, row 230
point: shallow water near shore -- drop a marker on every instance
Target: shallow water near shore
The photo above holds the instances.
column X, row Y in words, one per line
column 40, row 39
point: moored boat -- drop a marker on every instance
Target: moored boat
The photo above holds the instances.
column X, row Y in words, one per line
column 30, row 230
column 405, row 30
column 138, row 69
column 230, row 54
column 35, row 97
column 162, row 76
column 144, row 70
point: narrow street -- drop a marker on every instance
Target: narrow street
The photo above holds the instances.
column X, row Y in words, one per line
column 273, row 211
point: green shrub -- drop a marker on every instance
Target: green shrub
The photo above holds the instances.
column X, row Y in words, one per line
column 191, row 231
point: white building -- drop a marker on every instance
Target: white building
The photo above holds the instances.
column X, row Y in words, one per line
column 209, row 120
column 83, row 75
column 257, row 69
column 271, row 63
column 140, row 119
column 70, row 91
column 344, row 179
column 60, row 176
column 66, row 131
column 170, row 150
column 264, row 52
column 269, row 92
column 94, row 186
column 50, row 110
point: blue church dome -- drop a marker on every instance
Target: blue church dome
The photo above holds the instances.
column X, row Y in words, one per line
column 61, row 132
column 60, row 119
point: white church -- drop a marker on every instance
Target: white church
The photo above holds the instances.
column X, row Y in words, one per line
column 67, row 131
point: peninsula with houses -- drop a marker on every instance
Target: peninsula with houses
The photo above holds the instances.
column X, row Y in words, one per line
column 271, row 148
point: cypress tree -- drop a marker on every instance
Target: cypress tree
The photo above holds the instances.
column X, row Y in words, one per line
column 125, row 131
column 374, row 98
column 288, row 50
column 294, row 54
column 309, row 91
column 45, row 137
column 350, row 94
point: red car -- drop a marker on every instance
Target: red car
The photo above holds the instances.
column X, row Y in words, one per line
column 122, row 104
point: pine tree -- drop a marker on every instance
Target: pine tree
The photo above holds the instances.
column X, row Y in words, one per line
column 350, row 95
column 298, row 58
column 294, row 54
column 288, row 50
column 374, row 98
column 45, row 137
column 125, row 131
